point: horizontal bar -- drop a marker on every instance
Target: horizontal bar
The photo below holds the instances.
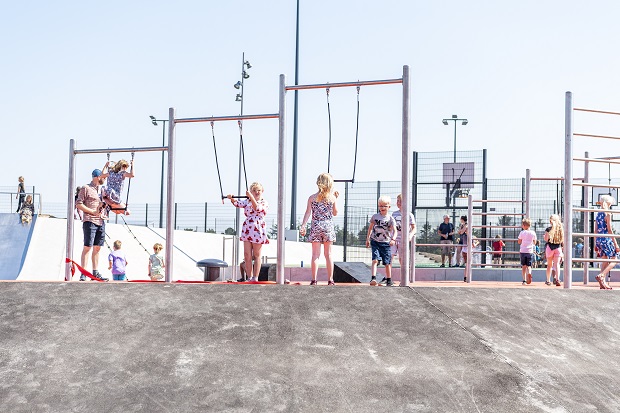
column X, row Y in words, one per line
column 495, row 265
column 595, row 136
column 596, row 160
column 592, row 235
column 495, row 239
column 345, row 84
column 614, row 211
column 437, row 245
column 594, row 260
column 596, row 111
column 224, row 118
column 235, row 196
column 594, row 185
column 117, row 150
column 498, row 213
column 496, row 226
column 344, row 180
column 494, row 252
column 499, row 200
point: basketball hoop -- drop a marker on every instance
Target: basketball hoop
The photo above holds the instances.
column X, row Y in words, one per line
column 462, row 192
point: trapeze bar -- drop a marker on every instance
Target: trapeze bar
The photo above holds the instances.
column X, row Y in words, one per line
column 344, row 180
column 346, row 84
column 223, row 118
column 235, row 196
column 607, row 161
column 595, row 136
column 117, row 150
column 597, row 111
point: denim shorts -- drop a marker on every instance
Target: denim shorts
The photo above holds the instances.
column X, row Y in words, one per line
column 119, row 277
column 526, row 258
column 382, row 251
column 93, row 234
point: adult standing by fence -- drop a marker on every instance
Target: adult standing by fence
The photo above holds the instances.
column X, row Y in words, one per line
column 21, row 193
column 446, row 235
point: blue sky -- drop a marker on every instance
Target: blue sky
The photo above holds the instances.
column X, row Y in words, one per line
column 95, row 71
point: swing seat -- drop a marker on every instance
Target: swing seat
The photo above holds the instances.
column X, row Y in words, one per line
column 117, row 208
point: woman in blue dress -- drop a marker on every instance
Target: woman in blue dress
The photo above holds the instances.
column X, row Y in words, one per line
column 608, row 246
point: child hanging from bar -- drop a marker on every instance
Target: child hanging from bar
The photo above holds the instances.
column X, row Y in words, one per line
column 116, row 175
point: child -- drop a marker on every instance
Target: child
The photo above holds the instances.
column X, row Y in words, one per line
column 27, row 210
column 381, row 236
column 463, row 242
column 498, row 245
column 554, row 236
column 537, row 257
column 253, row 231
column 606, row 245
column 322, row 205
column 526, row 239
column 117, row 262
column 21, row 191
column 579, row 251
column 398, row 248
column 116, row 178
column 156, row 263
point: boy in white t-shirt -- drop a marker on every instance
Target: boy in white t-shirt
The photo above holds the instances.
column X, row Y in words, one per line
column 527, row 240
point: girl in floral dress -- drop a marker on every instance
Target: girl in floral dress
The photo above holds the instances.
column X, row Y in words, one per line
column 253, row 231
column 607, row 246
column 116, row 177
column 322, row 206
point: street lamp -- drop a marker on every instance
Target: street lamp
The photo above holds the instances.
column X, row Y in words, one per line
column 245, row 65
column 163, row 143
column 454, row 119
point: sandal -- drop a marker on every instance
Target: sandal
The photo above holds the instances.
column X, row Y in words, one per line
column 601, row 282
column 331, row 282
column 547, row 282
column 313, row 282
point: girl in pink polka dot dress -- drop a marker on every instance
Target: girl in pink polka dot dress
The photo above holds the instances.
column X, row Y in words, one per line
column 253, row 231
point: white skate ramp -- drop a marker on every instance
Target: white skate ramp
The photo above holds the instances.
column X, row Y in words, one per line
column 14, row 239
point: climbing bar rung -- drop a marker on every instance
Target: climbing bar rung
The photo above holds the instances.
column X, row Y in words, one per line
column 499, row 200
column 498, row 213
column 596, row 136
column 596, row 111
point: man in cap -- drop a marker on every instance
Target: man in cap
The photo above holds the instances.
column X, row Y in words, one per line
column 89, row 202
column 446, row 232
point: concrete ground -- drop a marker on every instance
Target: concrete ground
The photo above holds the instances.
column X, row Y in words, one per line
column 137, row 347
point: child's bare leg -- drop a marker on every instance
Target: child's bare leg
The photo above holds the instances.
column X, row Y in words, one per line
column 247, row 257
column 327, row 251
column 256, row 253
column 373, row 268
column 388, row 270
column 316, row 253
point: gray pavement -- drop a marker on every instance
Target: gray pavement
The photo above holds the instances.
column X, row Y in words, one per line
column 127, row 347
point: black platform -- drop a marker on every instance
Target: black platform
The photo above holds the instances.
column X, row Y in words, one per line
column 351, row 272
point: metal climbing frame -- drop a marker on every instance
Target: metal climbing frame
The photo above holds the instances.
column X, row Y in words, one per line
column 73, row 152
column 471, row 226
column 405, row 163
column 568, row 204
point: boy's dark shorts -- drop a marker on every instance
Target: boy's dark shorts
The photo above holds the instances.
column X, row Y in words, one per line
column 382, row 251
column 93, row 234
column 526, row 258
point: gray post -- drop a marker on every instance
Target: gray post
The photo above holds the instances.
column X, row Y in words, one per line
column 568, row 191
column 470, row 256
column 70, row 207
column 281, row 181
column 170, row 197
column 405, row 163
column 586, row 218
column 527, row 192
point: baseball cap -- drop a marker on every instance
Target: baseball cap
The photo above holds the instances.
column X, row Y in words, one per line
column 96, row 173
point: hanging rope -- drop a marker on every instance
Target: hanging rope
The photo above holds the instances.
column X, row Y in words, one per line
column 129, row 183
column 329, row 117
column 242, row 153
column 134, row 235
column 217, row 165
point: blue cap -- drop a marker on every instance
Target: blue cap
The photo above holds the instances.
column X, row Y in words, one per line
column 96, row 173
